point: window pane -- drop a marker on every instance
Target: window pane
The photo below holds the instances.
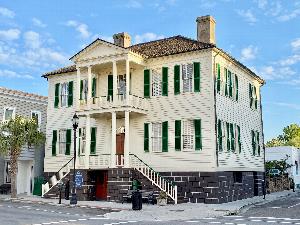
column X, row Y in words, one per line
column 156, row 83
column 62, row 141
column 188, row 135
column 156, row 137
column 8, row 114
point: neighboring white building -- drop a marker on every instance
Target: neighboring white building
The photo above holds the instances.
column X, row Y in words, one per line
column 280, row 153
column 180, row 106
column 30, row 162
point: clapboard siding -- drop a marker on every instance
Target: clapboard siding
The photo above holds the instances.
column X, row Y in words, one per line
column 240, row 113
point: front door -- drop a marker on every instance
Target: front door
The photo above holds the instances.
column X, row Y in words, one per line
column 120, row 148
column 101, row 185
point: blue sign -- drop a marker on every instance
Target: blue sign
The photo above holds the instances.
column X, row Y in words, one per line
column 78, row 179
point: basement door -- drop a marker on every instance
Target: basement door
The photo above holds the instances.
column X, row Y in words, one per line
column 101, row 185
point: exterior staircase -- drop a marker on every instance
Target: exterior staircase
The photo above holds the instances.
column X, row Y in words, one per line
column 162, row 183
column 56, row 178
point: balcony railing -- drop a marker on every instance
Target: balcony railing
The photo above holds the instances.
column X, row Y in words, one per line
column 118, row 101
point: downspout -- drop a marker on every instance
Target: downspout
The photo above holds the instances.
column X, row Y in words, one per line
column 215, row 106
column 264, row 148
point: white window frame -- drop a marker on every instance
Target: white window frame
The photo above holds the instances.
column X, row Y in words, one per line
column 6, row 174
column 82, row 141
column 156, row 83
column 9, row 108
column 64, row 93
column 188, row 132
column 39, row 117
column 156, row 134
column 187, row 79
column 85, row 89
column 62, row 145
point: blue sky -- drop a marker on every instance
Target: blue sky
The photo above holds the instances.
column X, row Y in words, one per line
column 38, row 36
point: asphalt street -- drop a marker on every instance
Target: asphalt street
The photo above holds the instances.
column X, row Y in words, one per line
column 282, row 211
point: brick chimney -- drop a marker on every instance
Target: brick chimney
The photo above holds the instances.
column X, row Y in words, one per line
column 122, row 39
column 206, row 29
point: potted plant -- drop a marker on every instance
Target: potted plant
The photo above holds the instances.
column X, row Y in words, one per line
column 162, row 199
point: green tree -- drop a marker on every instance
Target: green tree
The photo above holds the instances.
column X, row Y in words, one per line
column 15, row 135
column 289, row 137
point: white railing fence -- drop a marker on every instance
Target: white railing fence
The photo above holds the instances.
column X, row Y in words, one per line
column 62, row 173
column 163, row 184
column 99, row 161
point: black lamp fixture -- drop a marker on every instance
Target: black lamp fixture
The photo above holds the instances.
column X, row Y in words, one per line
column 75, row 121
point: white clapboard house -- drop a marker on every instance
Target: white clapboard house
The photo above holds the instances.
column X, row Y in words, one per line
column 181, row 115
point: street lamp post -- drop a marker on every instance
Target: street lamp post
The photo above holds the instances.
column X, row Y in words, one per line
column 73, row 200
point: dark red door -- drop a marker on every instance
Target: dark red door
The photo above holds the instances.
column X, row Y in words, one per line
column 101, row 185
column 120, row 148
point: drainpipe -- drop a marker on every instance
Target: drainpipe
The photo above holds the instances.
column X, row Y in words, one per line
column 215, row 106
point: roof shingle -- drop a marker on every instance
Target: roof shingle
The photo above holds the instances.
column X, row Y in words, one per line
column 23, row 94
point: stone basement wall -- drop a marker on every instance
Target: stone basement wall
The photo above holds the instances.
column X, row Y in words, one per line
column 214, row 187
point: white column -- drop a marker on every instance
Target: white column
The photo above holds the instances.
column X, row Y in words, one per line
column 115, row 75
column 77, row 91
column 127, row 81
column 126, row 147
column 113, row 139
column 89, row 94
column 87, row 141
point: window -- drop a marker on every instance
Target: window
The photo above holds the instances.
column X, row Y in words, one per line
column 188, row 135
column 226, row 82
column 62, row 141
column 64, row 94
column 253, row 96
column 296, row 167
column 7, row 177
column 228, row 137
column 255, row 142
column 82, row 140
column 156, row 137
column 9, row 113
column 156, row 83
column 187, row 77
column 237, row 177
column 121, row 84
column 36, row 115
column 84, row 89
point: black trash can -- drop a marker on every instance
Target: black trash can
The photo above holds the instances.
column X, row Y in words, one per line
column 136, row 200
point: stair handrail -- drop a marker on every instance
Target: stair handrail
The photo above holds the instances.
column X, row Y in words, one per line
column 57, row 173
column 167, row 180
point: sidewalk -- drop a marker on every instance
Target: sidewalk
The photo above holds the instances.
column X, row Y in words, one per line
column 186, row 211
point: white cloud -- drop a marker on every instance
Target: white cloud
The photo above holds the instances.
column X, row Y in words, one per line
column 249, row 53
column 10, row 34
column 79, row 27
column 134, row 4
column 12, row 74
column 6, row 12
column 147, row 37
column 291, row 60
column 290, row 15
column 38, row 23
column 273, row 73
column 288, row 105
column 262, row 4
column 296, row 44
column 248, row 16
column 32, row 39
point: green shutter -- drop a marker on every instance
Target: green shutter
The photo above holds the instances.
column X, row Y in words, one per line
column 68, row 141
column 196, row 77
column 250, row 95
column 177, row 135
column 232, row 144
column 165, row 136
column 56, row 98
column 239, row 138
column 218, row 78
column 79, row 140
column 147, row 83
column 255, row 100
column 70, row 93
column 253, row 141
column 165, row 81
column 146, row 137
column 236, row 88
column 220, row 141
column 226, row 81
column 93, row 140
column 81, row 89
column 110, row 87
column 230, row 83
column 228, row 136
column 94, row 87
column 54, row 140
column 198, row 136
column 258, row 150
column 176, row 79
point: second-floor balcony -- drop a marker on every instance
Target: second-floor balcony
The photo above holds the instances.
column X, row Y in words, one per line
column 111, row 103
